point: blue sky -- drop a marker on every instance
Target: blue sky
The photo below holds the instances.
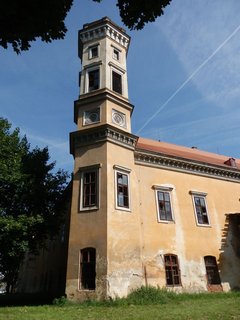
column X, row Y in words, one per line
column 183, row 76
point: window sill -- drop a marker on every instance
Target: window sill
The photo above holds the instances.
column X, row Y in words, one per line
column 123, row 209
column 86, row 290
column 173, row 285
column 88, row 209
column 166, row 221
column 204, row 225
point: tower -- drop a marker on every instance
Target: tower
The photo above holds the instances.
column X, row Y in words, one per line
column 102, row 213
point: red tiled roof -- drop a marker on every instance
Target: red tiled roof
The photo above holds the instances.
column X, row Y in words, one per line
column 184, row 152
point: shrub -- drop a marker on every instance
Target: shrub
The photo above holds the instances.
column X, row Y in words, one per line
column 148, row 295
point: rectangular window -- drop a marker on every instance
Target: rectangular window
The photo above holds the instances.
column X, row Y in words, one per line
column 89, row 189
column 172, row 270
column 122, row 188
column 116, row 54
column 93, row 80
column 116, row 82
column 164, row 206
column 93, row 52
column 201, row 210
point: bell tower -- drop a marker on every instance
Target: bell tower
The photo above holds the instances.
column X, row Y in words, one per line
column 103, row 48
column 103, row 151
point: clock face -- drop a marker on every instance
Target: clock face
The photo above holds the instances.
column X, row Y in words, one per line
column 91, row 116
column 119, row 118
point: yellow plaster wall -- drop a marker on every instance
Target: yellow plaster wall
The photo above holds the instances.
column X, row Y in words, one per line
column 123, row 236
column 183, row 237
column 88, row 228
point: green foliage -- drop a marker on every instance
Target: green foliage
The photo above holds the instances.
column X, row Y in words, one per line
column 219, row 306
column 30, row 200
column 24, row 21
column 60, row 302
column 150, row 295
column 136, row 13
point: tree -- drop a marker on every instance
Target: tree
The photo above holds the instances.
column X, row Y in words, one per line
column 23, row 21
column 136, row 13
column 30, row 200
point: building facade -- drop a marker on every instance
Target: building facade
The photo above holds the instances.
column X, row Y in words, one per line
column 143, row 212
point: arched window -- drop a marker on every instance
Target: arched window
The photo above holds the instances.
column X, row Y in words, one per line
column 172, row 270
column 212, row 270
column 88, row 269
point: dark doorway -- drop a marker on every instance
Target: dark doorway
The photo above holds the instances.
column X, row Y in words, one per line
column 213, row 278
column 88, row 269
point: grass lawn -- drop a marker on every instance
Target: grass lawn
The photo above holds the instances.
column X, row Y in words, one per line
column 165, row 306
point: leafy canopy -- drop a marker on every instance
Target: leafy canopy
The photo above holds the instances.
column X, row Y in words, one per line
column 30, row 200
column 22, row 22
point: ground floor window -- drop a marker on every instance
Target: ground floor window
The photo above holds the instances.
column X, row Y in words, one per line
column 172, row 270
column 88, row 269
column 212, row 270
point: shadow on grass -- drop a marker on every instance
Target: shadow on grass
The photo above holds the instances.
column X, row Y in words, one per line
column 15, row 299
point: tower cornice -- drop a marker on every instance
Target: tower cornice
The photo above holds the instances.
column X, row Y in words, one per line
column 104, row 27
column 102, row 134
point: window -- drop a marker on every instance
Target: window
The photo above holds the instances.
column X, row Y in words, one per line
column 164, row 206
column 118, row 118
column 172, row 270
column 212, row 270
column 117, row 82
column 88, row 269
column 122, row 188
column 116, row 54
column 93, row 80
column 91, row 116
column 200, row 209
column 93, row 52
column 89, row 188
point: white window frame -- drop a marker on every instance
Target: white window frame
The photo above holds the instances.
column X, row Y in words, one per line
column 168, row 190
column 90, row 56
column 125, row 171
column 83, row 171
column 200, row 195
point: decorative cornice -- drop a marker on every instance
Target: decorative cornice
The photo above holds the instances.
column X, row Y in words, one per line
column 186, row 165
column 100, row 96
column 102, row 28
column 101, row 134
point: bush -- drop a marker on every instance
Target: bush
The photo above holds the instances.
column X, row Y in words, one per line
column 150, row 295
column 62, row 301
